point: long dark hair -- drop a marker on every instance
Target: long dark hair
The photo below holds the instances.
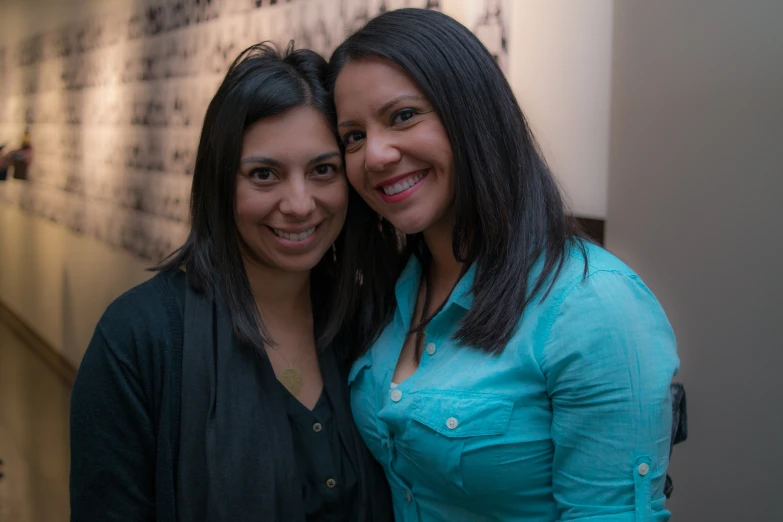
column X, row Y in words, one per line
column 509, row 213
column 262, row 82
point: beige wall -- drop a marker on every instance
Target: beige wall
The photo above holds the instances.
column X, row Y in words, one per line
column 60, row 282
column 21, row 18
column 57, row 281
column 561, row 57
column 695, row 192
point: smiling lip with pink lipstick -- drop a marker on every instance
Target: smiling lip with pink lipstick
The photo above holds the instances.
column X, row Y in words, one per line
column 399, row 188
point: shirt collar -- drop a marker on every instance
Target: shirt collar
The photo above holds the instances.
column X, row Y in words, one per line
column 408, row 285
column 463, row 293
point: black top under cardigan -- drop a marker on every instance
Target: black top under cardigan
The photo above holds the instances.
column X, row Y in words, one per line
column 125, row 421
column 329, row 482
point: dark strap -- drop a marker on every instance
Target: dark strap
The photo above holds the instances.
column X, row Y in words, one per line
column 679, row 427
column 236, row 453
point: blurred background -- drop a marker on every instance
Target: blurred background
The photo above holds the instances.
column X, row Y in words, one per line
column 662, row 120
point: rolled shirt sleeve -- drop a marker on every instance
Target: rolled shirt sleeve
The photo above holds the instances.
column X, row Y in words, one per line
column 609, row 360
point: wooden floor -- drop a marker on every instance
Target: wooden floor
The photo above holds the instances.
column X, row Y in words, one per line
column 33, row 435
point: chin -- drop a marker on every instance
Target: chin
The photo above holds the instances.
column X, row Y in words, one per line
column 287, row 263
column 299, row 265
column 408, row 231
column 410, row 226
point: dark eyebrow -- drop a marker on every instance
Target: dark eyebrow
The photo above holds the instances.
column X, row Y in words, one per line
column 274, row 163
column 386, row 106
column 323, row 157
column 261, row 159
column 391, row 103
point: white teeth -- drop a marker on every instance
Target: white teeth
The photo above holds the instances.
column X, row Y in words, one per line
column 301, row 236
column 405, row 184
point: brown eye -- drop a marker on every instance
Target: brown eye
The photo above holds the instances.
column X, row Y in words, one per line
column 326, row 169
column 262, row 174
column 403, row 116
column 350, row 138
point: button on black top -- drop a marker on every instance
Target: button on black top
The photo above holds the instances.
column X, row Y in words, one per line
column 329, row 483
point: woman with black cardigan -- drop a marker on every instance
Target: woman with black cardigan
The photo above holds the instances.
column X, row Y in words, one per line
column 216, row 391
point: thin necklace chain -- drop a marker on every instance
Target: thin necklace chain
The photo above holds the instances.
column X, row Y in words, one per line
column 279, row 353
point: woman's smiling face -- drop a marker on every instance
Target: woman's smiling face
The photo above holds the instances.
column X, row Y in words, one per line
column 291, row 192
column 397, row 154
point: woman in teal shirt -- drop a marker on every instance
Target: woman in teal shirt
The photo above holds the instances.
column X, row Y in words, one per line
column 507, row 369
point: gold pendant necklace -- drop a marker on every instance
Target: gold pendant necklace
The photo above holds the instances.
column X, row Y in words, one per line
column 292, row 380
column 291, row 377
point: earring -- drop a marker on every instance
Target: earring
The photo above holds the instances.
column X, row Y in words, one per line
column 334, row 253
column 380, row 223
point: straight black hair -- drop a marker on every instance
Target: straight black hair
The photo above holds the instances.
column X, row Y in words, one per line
column 262, row 82
column 509, row 213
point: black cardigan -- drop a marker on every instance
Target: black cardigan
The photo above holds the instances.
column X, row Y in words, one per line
column 125, row 412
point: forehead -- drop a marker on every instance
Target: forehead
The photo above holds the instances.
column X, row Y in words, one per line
column 299, row 130
column 368, row 83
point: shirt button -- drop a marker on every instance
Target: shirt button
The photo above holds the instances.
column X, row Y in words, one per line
column 317, row 427
column 396, row 395
column 643, row 469
column 330, row 483
column 452, row 423
column 408, row 496
column 431, row 348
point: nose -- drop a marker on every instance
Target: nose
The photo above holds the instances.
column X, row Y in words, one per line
column 298, row 199
column 380, row 151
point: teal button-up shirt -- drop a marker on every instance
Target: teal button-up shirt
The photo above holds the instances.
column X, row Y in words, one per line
column 571, row 422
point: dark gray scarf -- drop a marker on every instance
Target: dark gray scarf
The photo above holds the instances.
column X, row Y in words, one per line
column 236, row 460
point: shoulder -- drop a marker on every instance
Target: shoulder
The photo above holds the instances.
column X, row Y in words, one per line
column 143, row 304
column 591, row 273
column 603, row 313
column 144, row 316
column 595, row 258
